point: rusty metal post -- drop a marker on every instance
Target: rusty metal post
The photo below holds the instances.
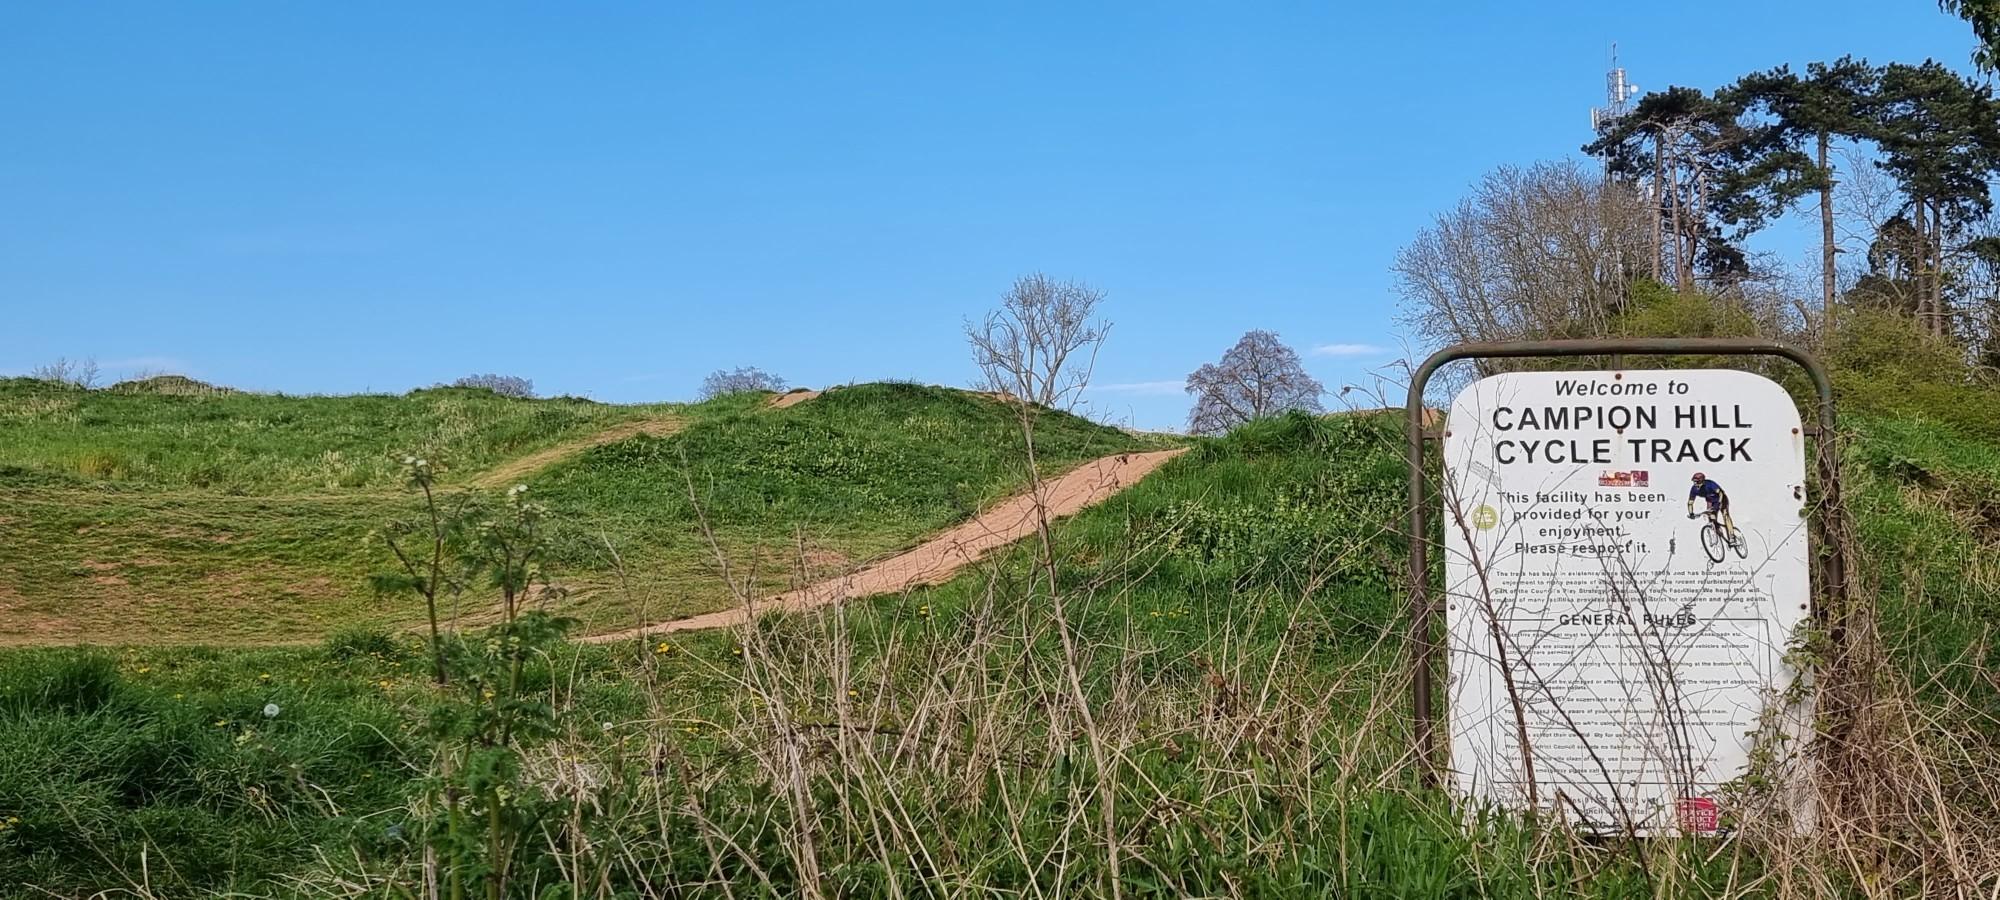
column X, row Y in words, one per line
column 1423, row 641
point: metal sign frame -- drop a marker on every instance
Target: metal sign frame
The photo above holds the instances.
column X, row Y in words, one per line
column 1832, row 577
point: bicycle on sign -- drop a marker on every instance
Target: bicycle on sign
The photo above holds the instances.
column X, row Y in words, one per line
column 1719, row 535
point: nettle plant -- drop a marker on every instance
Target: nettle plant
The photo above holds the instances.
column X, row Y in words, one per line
column 491, row 705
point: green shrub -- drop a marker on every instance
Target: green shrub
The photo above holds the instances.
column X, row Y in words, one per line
column 1659, row 311
column 356, row 642
column 1884, row 364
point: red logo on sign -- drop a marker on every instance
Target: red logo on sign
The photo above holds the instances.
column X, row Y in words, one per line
column 1700, row 815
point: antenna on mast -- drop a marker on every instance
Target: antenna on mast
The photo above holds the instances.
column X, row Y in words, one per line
column 1618, row 95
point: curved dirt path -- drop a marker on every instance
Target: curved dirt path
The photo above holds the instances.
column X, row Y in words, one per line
column 936, row 560
column 793, row 398
column 522, row 466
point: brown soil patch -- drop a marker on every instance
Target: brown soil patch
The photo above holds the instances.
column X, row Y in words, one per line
column 10, row 598
column 104, row 574
column 793, row 398
column 937, row 559
column 521, row 467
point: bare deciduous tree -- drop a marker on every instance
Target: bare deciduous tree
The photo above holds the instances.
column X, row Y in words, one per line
column 1546, row 251
column 504, row 385
column 1042, row 342
column 738, row 380
column 80, row 373
column 1258, row 377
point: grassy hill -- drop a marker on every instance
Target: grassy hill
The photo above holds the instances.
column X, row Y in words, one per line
column 268, row 444
column 1203, row 681
column 143, row 518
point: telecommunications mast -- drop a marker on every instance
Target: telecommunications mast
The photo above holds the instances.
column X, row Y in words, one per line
column 1617, row 95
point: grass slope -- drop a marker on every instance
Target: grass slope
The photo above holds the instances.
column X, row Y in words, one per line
column 1233, row 621
column 270, row 444
column 148, row 555
column 1196, row 539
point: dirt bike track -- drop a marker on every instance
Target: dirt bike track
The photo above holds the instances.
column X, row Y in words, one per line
column 521, row 467
column 932, row 562
column 939, row 558
column 515, row 469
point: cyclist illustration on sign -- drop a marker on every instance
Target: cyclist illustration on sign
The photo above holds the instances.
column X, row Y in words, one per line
column 1720, row 532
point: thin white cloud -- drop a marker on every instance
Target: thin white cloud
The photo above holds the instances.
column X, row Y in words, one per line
column 1142, row 388
column 1349, row 350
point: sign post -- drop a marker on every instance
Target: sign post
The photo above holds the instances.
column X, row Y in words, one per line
column 1606, row 646
column 1617, row 629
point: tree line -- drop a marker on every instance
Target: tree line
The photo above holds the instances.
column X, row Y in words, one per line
column 1722, row 165
column 1895, row 161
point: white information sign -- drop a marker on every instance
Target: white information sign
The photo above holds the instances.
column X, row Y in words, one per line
column 1611, row 659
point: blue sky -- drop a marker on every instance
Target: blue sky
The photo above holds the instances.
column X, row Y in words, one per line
column 615, row 199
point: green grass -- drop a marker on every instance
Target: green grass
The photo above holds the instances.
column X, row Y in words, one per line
column 151, row 556
column 854, row 474
column 172, row 751
column 1189, row 542
column 1236, row 614
column 273, row 444
column 1242, row 689
column 1926, row 502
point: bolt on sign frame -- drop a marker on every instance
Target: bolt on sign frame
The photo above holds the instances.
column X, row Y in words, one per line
column 1832, row 575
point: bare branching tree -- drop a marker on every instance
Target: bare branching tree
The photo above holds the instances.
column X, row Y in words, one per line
column 80, row 373
column 1545, row 251
column 1042, row 342
column 504, row 385
column 739, row 380
column 1258, row 377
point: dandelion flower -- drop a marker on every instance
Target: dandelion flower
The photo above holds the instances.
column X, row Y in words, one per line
column 271, row 710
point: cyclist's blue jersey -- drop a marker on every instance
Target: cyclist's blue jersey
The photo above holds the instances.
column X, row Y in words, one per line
column 1707, row 490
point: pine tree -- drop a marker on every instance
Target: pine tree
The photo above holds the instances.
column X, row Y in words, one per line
column 1939, row 138
column 1830, row 102
column 1680, row 142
